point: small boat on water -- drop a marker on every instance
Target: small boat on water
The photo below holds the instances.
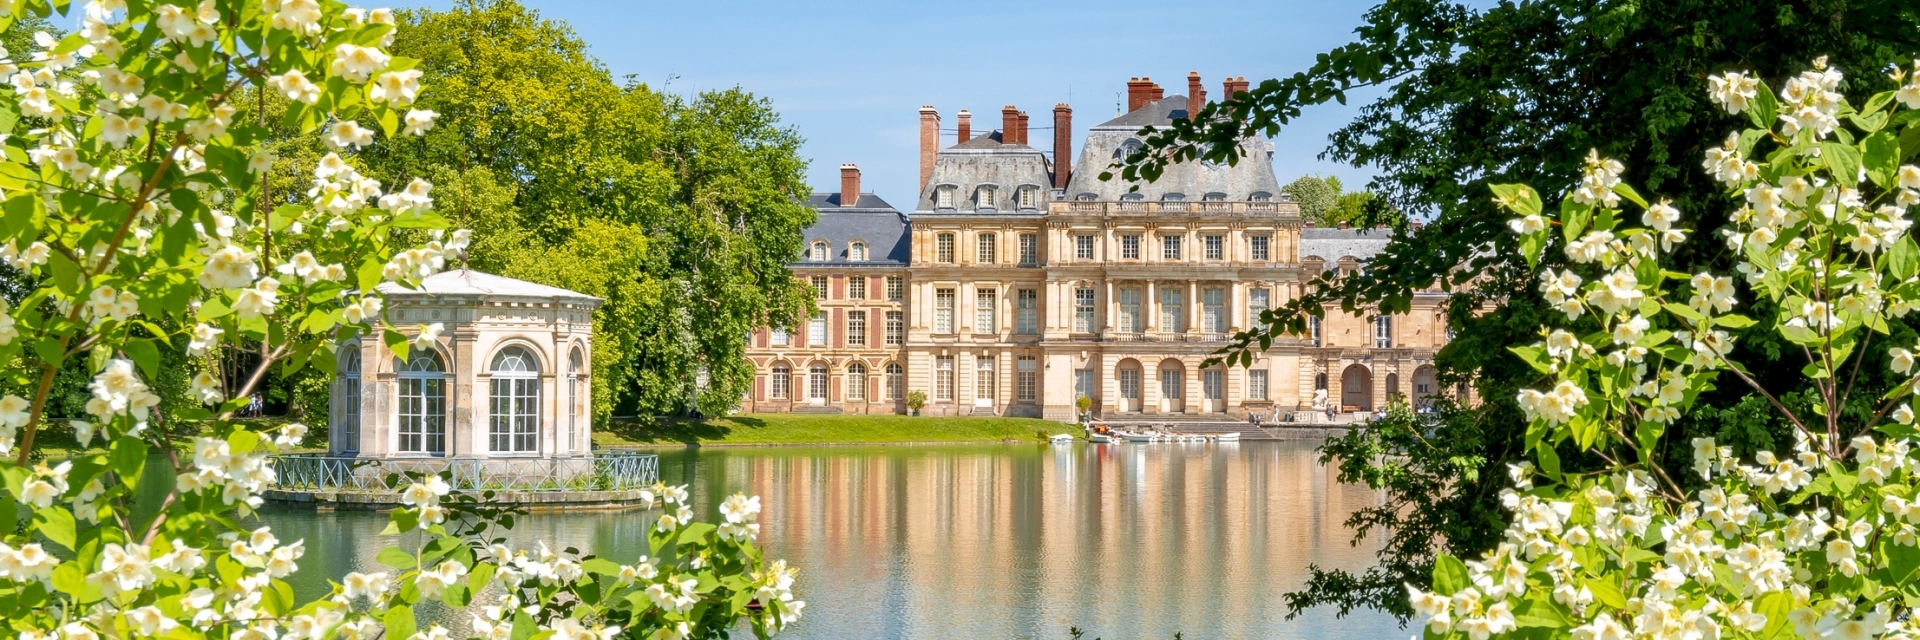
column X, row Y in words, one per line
column 1099, row 438
column 1230, row 436
column 1138, row 437
column 1061, row 438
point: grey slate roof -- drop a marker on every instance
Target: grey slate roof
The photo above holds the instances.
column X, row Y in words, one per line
column 1330, row 245
column 872, row 221
column 1114, row 139
column 987, row 160
column 467, row 282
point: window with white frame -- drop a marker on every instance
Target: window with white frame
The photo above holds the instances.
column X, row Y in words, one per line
column 1383, row 331
column 985, row 311
column 943, row 248
column 856, row 328
column 1170, row 380
column 896, row 288
column 1029, row 196
column 818, row 253
column 576, row 366
column 349, row 407
column 1213, row 384
column 1213, row 310
column 1083, row 247
column 779, row 337
column 1257, row 384
column 515, row 402
column 857, row 382
column 988, row 247
column 781, row 381
column 1130, row 384
column 817, row 330
column 1026, row 379
column 1171, row 318
column 819, row 284
column 943, row 311
column 1083, row 384
column 1215, row 246
column 943, row 378
column 1257, row 247
column 1129, row 321
column 1257, row 303
column 896, row 328
column 1083, row 310
column 856, row 287
column 896, row 382
column 985, row 379
column 1170, row 247
column 1313, row 329
column 1130, row 247
column 423, row 404
column 857, row 251
column 983, row 198
column 817, row 382
column 1027, row 312
column 943, row 197
column 1029, row 250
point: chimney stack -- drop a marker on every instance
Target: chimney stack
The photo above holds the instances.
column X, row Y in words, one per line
column 849, row 185
column 1196, row 95
column 1062, row 144
column 1009, row 124
column 1137, row 91
column 1158, row 93
column 966, row 125
column 929, row 141
column 1023, row 127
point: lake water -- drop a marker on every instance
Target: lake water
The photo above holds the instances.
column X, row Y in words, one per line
column 992, row 541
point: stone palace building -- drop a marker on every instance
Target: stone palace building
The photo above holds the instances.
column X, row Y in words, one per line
column 1017, row 285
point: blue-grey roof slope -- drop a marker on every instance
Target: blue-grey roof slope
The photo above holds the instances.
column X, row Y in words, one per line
column 871, row 221
column 1250, row 179
column 987, row 161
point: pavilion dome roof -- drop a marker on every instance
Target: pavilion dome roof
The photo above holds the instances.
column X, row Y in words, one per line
column 479, row 284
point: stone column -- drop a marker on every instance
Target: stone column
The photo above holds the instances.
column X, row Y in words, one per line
column 1112, row 309
column 1193, row 306
column 1150, row 308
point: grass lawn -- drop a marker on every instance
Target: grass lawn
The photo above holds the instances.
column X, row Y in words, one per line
column 781, row 428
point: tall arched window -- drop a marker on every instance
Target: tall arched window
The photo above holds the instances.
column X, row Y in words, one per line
column 515, row 425
column 896, row 382
column 575, row 367
column 817, row 252
column 857, row 382
column 423, row 405
column 347, row 384
column 817, row 382
column 857, row 251
column 782, row 381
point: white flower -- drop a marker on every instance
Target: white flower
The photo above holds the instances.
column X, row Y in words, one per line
column 208, row 388
column 419, row 121
column 371, row 585
column 427, row 335
column 229, row 268
column 1528, row 224
column 366, row 310
column 257, row 300
column 205, row 337
column 347, row 134
column 357, row 63
column 1630, row 331
column 1661, row 215
column 739, row 508
column 294, row 85
column 116, row 130
column 397, row 87
column 1733, row 91
column 14, row 412
column 45, row 485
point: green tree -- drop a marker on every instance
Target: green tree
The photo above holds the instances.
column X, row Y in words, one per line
column 1314, row 194
column 1519, row 93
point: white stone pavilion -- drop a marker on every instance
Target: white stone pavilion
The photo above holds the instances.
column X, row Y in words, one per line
column 507, row 378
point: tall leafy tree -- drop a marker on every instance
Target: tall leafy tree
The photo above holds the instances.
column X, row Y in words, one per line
column 1315, row 195
column 1519, row 93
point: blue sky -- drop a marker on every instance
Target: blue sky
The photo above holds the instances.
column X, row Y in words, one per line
column 852, row 75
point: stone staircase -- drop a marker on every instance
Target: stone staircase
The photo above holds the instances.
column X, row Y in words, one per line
column 986, row 412
column 807, row 408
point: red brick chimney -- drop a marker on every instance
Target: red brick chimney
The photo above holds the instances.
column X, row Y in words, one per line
column 1062, row 144
column 1158, row 93
column 1138, row 90
column 849, row 185
column 1196, row 95
column 929, row 141
column 966, row 125
column 1009, row 125
column 1023, row 127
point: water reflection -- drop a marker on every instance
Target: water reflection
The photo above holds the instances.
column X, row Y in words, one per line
column 995, row 541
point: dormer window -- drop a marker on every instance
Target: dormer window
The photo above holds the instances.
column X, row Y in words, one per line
column 817, row 252
column 1260, row 196
column 1029, row 195
column 1215, row 197
column 983, row 198
column 857, row 251
column 1173, row 197
column 1131, row 197
column 1086, row 197
column 943, row 197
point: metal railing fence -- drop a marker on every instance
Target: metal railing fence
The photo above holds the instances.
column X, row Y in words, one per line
column 600, row 472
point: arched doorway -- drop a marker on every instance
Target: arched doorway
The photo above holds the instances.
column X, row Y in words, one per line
column 1393, row 387
column 1173, row 386
column 1128, row 374
column 1425, row 386
column 1356, row 389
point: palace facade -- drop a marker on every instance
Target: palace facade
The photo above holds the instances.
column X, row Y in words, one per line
column 1017, row 285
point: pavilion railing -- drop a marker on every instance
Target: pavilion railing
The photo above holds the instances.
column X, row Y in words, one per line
column 600, row 472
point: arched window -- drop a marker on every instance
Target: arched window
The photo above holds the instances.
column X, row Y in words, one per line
column 347, row 386
column 1214, row 196
column 1086, row 197
column 782, row 381
column 1173, row 197
column 515, row 425
column 818, row 252
column 1260, row 196
column 576, row 400
column 423, row 404
column 896, row 382
column 857, row 382
column 1131, row 197
column 817, row 382
column 857, row 251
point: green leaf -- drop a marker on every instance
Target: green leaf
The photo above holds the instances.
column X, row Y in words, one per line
column 1903, row 258
column 1777, row 606
column 402, row 521
column 400, row 622
column 1734, row 321
column 397, row 343
column 1842, row 159
column 1573, row 218
column 1520, row 198
column 1535, row 357
column 1626, row 191
column 145, row 354
column 389, row 119
column 1530, row 247
column 128, row 458
column 396, row 558
column 1883, row 158
column 1606, row 593
column 20, row 213
column 601, row 566
column 55, row 523
column 1763, row 110
column 369, row 274
column 1449, row 575
column 211, row 309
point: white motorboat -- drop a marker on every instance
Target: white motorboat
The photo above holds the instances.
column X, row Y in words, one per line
column 1137, row 437
column 1099, row 438
column 1062, row 438
column 1230, row 436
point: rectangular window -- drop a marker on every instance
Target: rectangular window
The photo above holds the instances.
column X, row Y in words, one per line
column 1129, row 311
column 943, row 248
column 1383, row 332
column 817, row 330
column 985, row 312
column 1216, row 247
column 1257, row 303
column 857, row 383
column 1170, row 384
column 1213, row 384
column 896, row 328
column 943, row 311
column 1029, row 249
column 943, row 378
column 1028, row 320
column 1257, row 384
column 1083, row 310
column 856, row 328
column 1026, row 376
column 896, row 382
column 1130, row 247
column 1313, row 329
column 896, row 288
column 423, row 415
column 819, row 287
column 1170, row 316
column 780, row 338
column 985, row 380
column 1083, row 247
column 515, row 419
column 1213, row 310
column 1027, row 197
column 989, row 248
column 1130, row 384
column 857, row 287
column 1257, row 247
column 1170, row 247
column 782, row 382
column 1082, row 384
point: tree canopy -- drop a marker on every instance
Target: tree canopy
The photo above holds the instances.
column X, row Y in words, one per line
column 1314, row 194
column 1519, row 93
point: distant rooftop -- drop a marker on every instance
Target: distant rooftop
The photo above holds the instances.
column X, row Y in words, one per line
column 467, row 282
column 871, row 221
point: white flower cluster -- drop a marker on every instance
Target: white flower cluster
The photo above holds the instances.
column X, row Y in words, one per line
column 1598, row 177
column 429, row 259
column 1811, row 101
column 424, row 495
column 237, row 478
column 118, row 390
column 739, row 511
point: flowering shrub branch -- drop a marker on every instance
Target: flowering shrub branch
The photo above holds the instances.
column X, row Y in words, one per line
column 1821, row 543
column 134, row 200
